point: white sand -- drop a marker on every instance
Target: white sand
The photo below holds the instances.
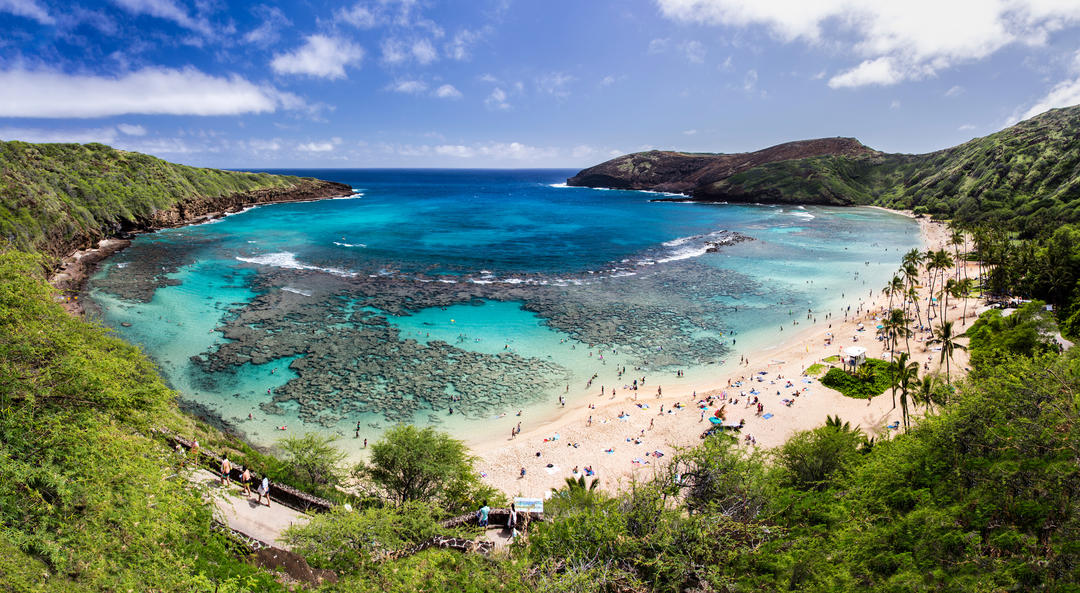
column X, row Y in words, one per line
column 501, row 459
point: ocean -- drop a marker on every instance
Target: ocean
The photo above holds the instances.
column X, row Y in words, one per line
column 471, row 300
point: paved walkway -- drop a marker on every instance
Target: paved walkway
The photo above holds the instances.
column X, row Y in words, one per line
column 244, row 515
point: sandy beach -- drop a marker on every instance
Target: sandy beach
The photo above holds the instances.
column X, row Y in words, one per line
column 628, row 427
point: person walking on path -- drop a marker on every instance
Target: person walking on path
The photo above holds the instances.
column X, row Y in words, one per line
column 195, row 451
column 245, row 481
column 226, row 469
column 511, row 522
column 482, row 515
column 264, row 490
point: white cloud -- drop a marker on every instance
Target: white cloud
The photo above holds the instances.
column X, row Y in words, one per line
column 393, row 51
column 267, row 32
column 131, row 129
column 555, row 83
column 106, row 135
column 881, row 71
column 447, row 91
column 750, row 80
column 689, row 132
column 167, row 10
column 607, row 80
column 581, row 151
column 455, row 150
column 424, row 52
column 727, row 65
column 657, row 46
column 895, row 104
column 954, row 91
column 408, row 87
column 30, row 9
column 357, row 15
column 1064, row 94
column 265, row 145
column 694, row 51
column 49, row 94
column 325, row 146
column 320, row 56
column 459, row 47
column 898, row 40
column 966, row 127
column 497, row 99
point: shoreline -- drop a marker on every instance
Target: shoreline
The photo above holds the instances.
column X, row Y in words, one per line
column 620, row 450
column 71, row 273
column 499, row 459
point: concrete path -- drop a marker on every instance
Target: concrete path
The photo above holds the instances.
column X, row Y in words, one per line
column 243, row 514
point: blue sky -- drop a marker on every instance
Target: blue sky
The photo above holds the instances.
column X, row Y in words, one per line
column 523, row 83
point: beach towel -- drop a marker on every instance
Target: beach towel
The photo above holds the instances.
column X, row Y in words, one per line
column 767, row 416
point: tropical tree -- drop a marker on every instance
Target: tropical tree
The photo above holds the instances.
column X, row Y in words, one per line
column 411, row 464
column 894, row 327
column 926, row 392
column 944, row 335
column 905, row 372
column 314, row 458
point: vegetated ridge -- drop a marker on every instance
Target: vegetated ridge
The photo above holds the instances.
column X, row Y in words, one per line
column 57, row 198
column 1026, row 176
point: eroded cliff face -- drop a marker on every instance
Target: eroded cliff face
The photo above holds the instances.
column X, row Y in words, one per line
column 192, row 210
column 690, row 173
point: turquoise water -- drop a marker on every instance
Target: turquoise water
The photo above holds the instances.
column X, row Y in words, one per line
column 485, row 292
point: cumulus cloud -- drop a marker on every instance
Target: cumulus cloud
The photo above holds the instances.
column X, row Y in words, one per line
column 357, row 15
column 265, row 145
column 455, row 150
column 30, row 9
column 424, row 52
column 393, row 51
column 954, row 91
column 459, row 47
column 51, row 94
column 167, row 10
column 447, row 91
column 268, row 31
column 694, row 51
column 897, row 40
column 489, row 151
column 409, row 87
column 131, row 129
column 320, row 56
column 105, row 135
column 497, row 99
column 555, row 84
column 1064, row 94
column 324, row 146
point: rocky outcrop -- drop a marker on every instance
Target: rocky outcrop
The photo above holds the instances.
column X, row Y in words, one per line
column 199, row 208
column 79, row 253
column 693, row 173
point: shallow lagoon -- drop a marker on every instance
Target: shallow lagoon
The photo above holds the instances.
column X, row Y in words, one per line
column 491, row 292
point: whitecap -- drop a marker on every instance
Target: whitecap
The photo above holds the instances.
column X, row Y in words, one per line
column 340, row 244
column 298, row 291
column 288, row 260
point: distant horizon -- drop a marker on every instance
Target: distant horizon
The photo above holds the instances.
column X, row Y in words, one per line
column 505, row 84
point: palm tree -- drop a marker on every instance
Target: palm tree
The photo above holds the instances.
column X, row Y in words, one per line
column 944, row 262
column 905, row 372
column 956, row 240
column 925, row 391
column 944, row 335
column 895, row 326
column 963, row 289
column 947, row 290
column 839, row 425
column 894, row 287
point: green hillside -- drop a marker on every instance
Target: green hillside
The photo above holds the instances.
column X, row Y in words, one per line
column 58, row 197
column 1026, row 176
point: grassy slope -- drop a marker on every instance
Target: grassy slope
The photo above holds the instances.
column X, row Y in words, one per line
column 87, row 502
column 55, row 194
column 1027, row 175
